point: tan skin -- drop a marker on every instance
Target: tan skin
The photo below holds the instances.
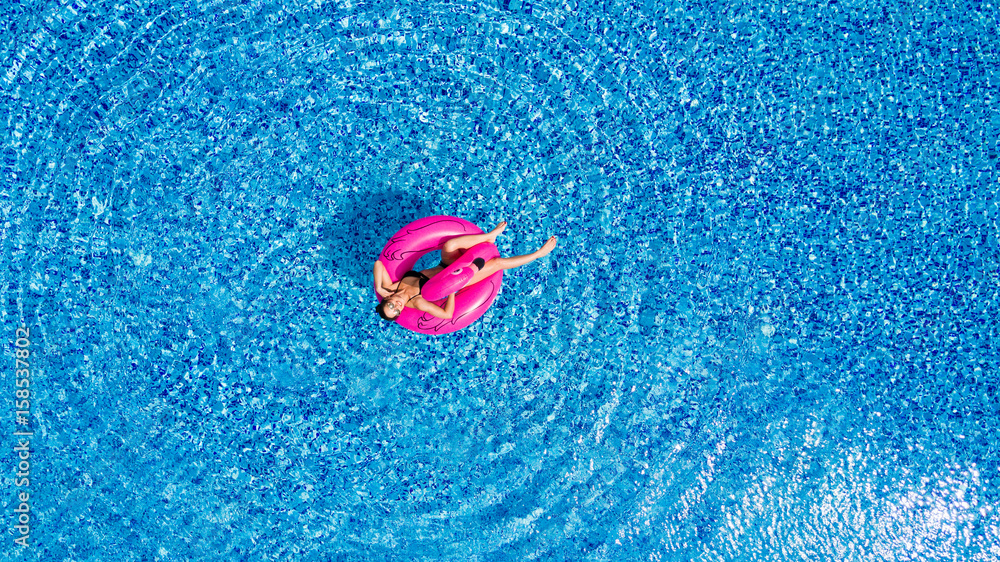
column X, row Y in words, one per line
column 406, row 292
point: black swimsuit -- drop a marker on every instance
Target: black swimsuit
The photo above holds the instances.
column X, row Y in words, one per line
column 421, row 278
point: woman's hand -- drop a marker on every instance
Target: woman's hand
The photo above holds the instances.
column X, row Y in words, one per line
column 436, row 311
column 382, row 285
column 449, row 306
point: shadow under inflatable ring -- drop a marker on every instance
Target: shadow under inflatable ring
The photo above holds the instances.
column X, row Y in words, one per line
column 426, row 235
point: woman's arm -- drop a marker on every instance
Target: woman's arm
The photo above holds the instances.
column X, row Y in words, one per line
column 446, row 313
column 382, row 285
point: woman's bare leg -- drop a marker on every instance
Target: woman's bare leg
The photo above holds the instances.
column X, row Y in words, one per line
column 501, row 264
column 454, row 248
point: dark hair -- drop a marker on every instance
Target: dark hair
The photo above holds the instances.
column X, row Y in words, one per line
column 380, row 309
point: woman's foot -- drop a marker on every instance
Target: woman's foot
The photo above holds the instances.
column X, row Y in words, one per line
column 500, row 264
column 547, row 248
column 497, row 231
column 455, row 247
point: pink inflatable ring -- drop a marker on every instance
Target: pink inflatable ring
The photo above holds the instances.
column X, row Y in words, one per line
column 426, row 235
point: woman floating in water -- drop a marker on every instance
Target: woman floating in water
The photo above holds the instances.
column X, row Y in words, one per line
column 406, row 293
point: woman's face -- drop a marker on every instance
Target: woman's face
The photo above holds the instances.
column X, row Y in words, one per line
column 393, row 305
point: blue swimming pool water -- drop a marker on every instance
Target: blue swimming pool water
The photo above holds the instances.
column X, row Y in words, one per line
column 767, row 332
